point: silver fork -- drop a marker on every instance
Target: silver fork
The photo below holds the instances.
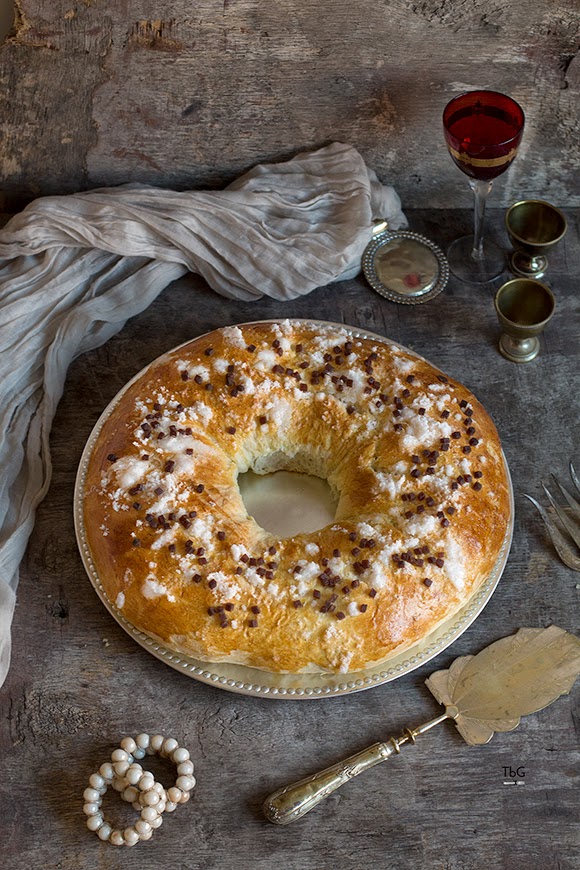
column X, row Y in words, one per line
column 570, row 520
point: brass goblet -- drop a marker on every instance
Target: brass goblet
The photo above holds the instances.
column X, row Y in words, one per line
column 534, row 227
column 524, row 306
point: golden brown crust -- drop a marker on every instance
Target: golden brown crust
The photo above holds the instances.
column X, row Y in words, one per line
column 423, row 501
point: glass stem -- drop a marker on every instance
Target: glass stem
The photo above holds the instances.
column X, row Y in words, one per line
column 481, row 190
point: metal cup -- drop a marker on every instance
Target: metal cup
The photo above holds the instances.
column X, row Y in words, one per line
column 534, row 227
column 524, row 306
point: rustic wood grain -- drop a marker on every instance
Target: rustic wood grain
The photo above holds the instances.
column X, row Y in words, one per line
column 78, row 683
column 186, row 95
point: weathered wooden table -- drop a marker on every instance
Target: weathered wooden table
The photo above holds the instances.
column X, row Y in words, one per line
column 78, row 683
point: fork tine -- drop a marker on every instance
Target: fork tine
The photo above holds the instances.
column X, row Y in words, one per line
column 574, row 476
column 562, row 547
column 573, row 504
column 564, row 519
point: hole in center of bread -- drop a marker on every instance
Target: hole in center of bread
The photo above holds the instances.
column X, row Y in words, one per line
column 287, row 503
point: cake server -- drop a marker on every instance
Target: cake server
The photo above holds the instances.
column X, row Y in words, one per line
column 482, row 694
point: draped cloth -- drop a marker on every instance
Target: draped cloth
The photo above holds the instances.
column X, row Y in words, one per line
column 74, row 268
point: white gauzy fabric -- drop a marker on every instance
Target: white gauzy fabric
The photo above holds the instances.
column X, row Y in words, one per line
column 76, row 267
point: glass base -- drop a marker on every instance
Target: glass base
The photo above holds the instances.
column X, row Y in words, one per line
column 463, row 266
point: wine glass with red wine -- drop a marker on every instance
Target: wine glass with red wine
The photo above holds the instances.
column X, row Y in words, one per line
column 483, row 130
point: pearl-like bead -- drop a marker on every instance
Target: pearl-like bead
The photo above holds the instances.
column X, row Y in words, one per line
column 180, row 755
column 156, row 823
column 96, row 781
column 185, row 768
column 91, row 808
column 106, row 771
column 146, row 836
column 139, row 754
column 185, row 798
column 169, row 746
column 146, row 782
column 174, row 794
column 94, row 822
column 142, row 827
column 130, row 794
column 118, row 784
column 130, row 836
column 149, row 814
column 129, row 745
column 185, row 783
column 134, row 774
column 92, row 794
column 170, row 807
column 104, row 831
column 121, row 767
column 117, row 838
column 120, row 755
column 142, row 741
column 156, row 742
column 149, row 798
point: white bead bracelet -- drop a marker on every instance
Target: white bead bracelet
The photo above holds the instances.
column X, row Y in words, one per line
column 138, row 787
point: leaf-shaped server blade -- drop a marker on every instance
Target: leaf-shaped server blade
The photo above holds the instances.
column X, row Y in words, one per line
column 517, row 675
column 442, row 683
column 437, row 684
column 456, row 668
column 474, row 731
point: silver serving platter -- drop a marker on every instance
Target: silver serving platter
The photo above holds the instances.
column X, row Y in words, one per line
column 266, row 684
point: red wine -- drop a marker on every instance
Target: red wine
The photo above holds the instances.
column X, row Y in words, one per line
column 483, row 130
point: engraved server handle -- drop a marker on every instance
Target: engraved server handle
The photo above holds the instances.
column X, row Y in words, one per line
column 293, row 801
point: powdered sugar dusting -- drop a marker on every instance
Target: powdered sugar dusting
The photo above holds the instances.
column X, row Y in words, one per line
column 234, row 336
column 455, row 563
column 265, row 360
column 129, row 471
column 202, row 413
column 224, row 588
column 151, row 588
column 220, row 365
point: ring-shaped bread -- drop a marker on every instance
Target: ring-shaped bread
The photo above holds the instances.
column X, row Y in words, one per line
column 413, row 458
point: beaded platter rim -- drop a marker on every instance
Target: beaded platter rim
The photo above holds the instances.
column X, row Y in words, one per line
column 245, row 680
